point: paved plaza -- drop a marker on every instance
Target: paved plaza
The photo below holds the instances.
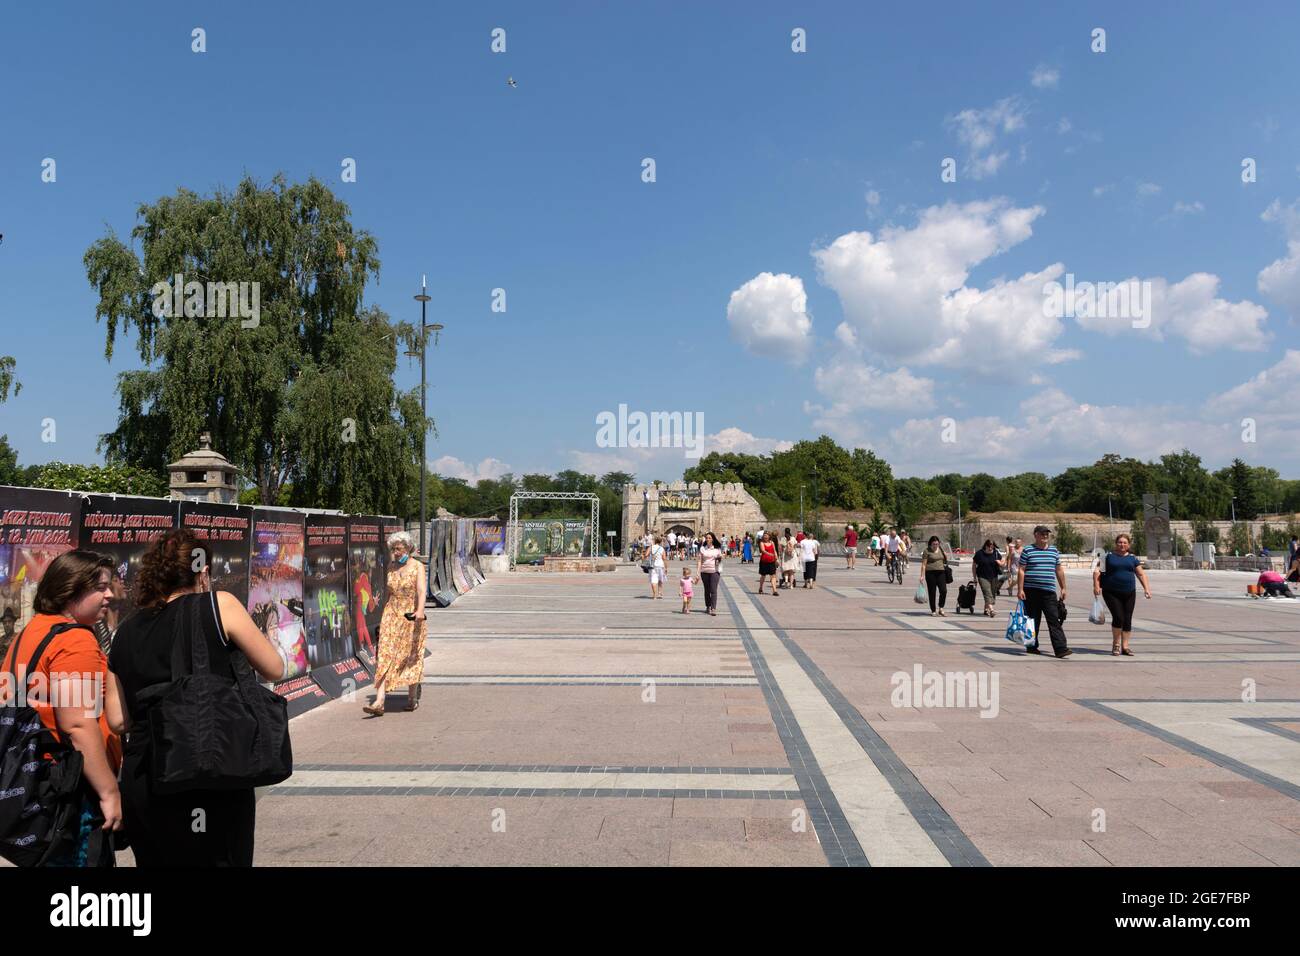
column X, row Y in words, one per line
column 569, row 719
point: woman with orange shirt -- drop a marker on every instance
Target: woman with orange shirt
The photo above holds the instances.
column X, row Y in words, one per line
column 70, row 690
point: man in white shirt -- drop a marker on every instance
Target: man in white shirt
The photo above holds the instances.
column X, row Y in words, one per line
column 808, row 549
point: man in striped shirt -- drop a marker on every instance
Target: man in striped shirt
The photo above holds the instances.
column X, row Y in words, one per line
column 1040, row 573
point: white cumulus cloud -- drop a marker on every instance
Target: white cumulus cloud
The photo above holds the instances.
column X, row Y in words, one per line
column 451, row 467
column 1280, row 280
column 769, row 316
column 1190, row 310
column 904, row 294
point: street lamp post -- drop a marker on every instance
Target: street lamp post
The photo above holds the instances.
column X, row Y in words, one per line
column 425, row 327
column 801, row 507
column 958, row 520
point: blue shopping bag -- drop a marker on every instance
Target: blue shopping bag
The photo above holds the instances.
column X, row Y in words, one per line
column 1020, row 630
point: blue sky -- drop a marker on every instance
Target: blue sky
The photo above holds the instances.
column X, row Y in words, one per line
column 921, row 298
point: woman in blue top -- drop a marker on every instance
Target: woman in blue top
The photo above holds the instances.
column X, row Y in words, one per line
column 1116, row 581
column 747, row 551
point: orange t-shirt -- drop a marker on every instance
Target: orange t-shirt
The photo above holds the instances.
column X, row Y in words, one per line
column 73, row 652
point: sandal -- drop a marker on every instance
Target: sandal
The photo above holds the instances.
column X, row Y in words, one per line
column 373, row 711
column 1127, row 653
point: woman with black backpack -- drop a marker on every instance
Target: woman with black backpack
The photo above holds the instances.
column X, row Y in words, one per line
column 58, row 667
column 170, row 825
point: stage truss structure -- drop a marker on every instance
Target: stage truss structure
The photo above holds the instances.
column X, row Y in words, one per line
column 512, row 527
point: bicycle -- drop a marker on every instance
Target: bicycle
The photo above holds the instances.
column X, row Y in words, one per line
column 894, row 568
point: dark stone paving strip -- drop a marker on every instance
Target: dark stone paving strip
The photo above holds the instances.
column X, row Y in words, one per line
column 702, row 794
column 530, row 768
column 1213, row 756
column 1271, row 725
column 838, row 840
column 933, row 818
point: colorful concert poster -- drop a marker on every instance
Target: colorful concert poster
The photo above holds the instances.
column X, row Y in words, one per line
column 36, row 527
column 275, row 585
column 489, row 537
column 366, row 557
column 226, row 531
column 123, row 527
column 325, row 590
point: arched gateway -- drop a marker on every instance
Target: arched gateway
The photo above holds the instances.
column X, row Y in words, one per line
column 725, row 508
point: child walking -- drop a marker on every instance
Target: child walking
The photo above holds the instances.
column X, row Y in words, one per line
column 687, row 587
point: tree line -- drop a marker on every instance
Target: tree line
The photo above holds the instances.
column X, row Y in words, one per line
column 834, row 477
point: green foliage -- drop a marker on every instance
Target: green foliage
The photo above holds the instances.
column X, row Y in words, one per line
column 305, row 399
column 7, row 380
column 1068, row 540
column 1138, row 536
column 104, row 479
column 1239, row 538
column 1203, row 531
column 9, row 470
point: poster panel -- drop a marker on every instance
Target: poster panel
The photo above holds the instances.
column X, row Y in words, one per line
column 325, row 590
column 489, row 537
column 123, row 527
column 227, row 532
column 36, row 526
column 275, row 599
column 535, row 539
column 366, row 565
column 460, row 547
column 577, row 539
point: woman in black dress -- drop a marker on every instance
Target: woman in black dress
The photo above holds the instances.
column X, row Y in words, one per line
column 195, row 827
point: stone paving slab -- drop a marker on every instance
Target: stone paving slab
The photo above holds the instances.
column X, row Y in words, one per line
column 788, row 701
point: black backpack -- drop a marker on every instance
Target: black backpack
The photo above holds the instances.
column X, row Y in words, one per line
column 207, row 733
column 40, row 800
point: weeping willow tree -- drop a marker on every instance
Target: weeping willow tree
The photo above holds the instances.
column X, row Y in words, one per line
column 262, row 341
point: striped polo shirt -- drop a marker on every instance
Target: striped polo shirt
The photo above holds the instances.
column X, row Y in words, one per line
column 1040, row 566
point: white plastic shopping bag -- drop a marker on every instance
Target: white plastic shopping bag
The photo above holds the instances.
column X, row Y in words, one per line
column 1098, row 613
column 920, row 597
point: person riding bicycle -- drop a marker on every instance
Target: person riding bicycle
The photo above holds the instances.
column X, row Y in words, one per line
column 893, row 553
column 906, row 547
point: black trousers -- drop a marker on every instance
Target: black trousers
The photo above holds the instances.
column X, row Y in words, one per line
column 1120, row 604
column 710, row 579
column 1040, row 603
column 937, row 581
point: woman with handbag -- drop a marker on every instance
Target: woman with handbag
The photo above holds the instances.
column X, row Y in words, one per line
column 936, row 573
column 178, row 615
column 64, row 677
column 402, row 629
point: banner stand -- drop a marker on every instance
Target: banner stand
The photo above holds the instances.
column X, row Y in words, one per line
column 342, row 677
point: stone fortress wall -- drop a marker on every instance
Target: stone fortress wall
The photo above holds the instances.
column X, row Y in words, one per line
column 725, row 508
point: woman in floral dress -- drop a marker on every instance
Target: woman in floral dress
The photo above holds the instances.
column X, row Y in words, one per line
column 402, row 627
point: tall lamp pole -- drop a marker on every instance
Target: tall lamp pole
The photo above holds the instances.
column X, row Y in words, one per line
column 425, row 328
column 959, row 521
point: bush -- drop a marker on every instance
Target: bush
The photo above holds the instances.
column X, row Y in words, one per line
column 1239, row 538
column 1069, row 541
column 1138, row 536
column 1203, row 531
column 101, row 479
column 953, row 538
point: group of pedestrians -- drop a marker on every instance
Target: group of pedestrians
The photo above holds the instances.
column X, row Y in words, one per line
column 129, row 713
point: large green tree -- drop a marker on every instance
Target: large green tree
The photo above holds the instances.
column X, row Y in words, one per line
column 300, row 396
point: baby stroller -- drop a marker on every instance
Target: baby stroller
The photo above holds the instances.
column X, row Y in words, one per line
column 966, row 598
